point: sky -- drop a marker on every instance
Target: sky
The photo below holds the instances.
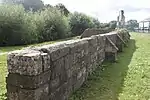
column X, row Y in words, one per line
column 107, row 10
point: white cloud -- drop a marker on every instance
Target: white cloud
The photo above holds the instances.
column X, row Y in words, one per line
column 107, row 10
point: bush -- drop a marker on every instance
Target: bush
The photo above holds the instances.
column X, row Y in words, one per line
column 51, row 25
column 113, row 24
column 19, row 27
column 96, row 23
column 15, row 26
column 79, row 22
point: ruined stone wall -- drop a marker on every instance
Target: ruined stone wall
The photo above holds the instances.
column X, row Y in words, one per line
column 53, row 72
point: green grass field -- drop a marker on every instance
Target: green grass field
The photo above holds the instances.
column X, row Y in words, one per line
column 128, row 79
column 3, row 72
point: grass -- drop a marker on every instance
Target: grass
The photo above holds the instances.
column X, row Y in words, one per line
column 129, row 79
column 3, row 72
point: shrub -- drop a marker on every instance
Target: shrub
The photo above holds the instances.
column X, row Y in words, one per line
column 15, row 27
column 79, row 22
column 113, row 24
column 96, row 23
column 18, row 27
column 51, row 25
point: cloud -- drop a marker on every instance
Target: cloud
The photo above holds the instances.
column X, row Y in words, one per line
column 129, row 8
column 107, row 10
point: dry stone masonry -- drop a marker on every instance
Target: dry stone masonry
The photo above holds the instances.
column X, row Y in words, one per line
column 53, row 72
column 94, row 31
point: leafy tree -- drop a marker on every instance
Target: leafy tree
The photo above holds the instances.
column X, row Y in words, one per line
column 48, row 6
column 62, row 9
column 132, row 24
column 52, row 25
column 16, row 26
column 96, row 23
column 104, row 25
column 79, row 22
column 113, row 24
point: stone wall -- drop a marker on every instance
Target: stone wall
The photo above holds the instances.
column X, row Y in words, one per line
column 53, row 72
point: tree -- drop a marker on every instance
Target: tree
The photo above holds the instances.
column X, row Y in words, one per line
column 112, row 24
column 79, row 22
column 104, row 25
column 33, row 5
column 62, row 9
column 132, row 24
column 96, row 23
column 48, row 6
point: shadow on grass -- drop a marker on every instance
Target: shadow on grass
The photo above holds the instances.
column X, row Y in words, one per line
column 107, row 81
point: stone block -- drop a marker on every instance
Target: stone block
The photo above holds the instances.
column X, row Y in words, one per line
column 79, row 83
column 56, row 50
column 69, row 73
column 54, row 84
column 30, row 82
column 100, row 56
column 25, row 62
column 15, row 93
column 77, row 45
column 89, row 32
column 57, row 67
column 61, row 93
column 68, row 61
column 46, row 61
column 81, row 72
column 93, row 41
column 92, row 49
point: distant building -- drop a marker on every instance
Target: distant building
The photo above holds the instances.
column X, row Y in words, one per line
column 144, row 26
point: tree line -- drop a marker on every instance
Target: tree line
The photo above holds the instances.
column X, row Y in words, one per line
column 30, row 21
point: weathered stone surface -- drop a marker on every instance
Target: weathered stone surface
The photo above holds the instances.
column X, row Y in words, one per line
column 15, row 93
column 30, row 82
column 57, row 67
column 89, row 32
column 94, row 31
column 100, row 56
column 110, row 46
column 93, row 41
column 56, row 50
column 60, row 93
column 76, row 45
column 54, row 84
column 46, row 62
column 25, row 63
column 79, row 83
column 68, row 61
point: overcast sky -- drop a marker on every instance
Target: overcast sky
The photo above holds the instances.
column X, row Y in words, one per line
column 107, row 10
